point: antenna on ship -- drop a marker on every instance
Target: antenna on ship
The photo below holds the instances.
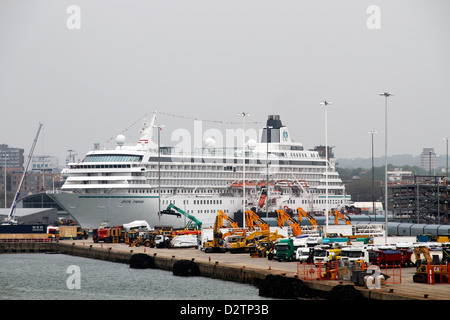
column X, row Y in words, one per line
column 146, row 131
column 243, row 114
column 160, row 127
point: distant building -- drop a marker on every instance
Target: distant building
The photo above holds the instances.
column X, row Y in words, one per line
column 34, row 182
column 398, row 175
column 43, row 174
column 12, row 157
column 44, row 164
column 428, row 160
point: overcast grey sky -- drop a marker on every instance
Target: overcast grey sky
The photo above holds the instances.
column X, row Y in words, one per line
column 212, row 59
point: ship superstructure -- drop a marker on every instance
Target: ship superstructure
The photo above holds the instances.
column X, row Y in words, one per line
column 137, row 182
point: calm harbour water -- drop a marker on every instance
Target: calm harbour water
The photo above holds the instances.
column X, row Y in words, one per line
column 31, row 276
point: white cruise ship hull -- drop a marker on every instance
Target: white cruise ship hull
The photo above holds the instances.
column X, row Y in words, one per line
column 117, row 209
column 92, row 210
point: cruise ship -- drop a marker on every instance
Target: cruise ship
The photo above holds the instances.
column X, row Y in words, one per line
column 137, row 182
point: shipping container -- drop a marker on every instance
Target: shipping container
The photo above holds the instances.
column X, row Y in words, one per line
column 67, row 232
column 23, row 228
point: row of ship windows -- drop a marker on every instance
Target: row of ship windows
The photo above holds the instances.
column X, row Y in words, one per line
column 209, row 182
column 186, row 202
column 199, row 167
column 173, row 191
column 251, row 191
column 256, row 175
column 219, row 202
column 235, row 168
column 330, row 201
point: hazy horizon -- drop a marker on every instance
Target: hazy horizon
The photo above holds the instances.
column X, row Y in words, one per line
column 90, row 74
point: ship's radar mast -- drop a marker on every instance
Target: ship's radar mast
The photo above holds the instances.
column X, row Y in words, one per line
column 146, row 132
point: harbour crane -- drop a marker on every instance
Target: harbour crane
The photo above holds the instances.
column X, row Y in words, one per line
column 10, row 219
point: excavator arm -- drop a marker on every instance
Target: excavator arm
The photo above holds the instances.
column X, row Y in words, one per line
column 305, row 214
column 252, row 219
column 422, row 250
column 198, row 224
column 223, row 216
column 283, row 217
column 338, row 215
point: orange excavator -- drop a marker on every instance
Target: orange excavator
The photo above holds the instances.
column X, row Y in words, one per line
column 252, row 220
column 224, row 217
column 338, row 215
column 283, row 217
column 303, row 213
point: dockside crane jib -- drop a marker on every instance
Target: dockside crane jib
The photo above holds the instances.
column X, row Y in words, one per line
column 10, row 219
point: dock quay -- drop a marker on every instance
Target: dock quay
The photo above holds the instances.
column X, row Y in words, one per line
column 231, row 267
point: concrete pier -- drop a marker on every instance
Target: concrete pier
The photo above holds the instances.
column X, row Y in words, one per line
column 226, row 266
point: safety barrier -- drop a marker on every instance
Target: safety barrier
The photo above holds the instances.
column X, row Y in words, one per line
column 318, row 271
column 394, row 273
column 436, row 274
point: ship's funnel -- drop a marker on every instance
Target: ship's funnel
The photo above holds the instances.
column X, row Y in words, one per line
column 275, row 132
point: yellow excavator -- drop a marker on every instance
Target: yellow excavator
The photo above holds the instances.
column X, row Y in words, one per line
column 216, row 245
column 426, row 253
column 134, row 239
column 439, row 271
column 250, row 243
column 265, row 246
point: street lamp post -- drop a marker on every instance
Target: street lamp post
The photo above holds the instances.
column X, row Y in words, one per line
column 267, row 171
column 6, row 197
column 446, row 173
column 386, row 96
column 243, row 114
column 446, row 161
column 159, row 170
column 326, row 104
column 373, row 177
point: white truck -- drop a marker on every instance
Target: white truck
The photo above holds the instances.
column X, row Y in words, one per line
column 303, row 254
column 325, row 254
column 351, row 254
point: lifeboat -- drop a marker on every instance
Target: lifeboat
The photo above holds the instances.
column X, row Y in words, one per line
column 239, row 185
column 283, row 183
column 262, row 198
